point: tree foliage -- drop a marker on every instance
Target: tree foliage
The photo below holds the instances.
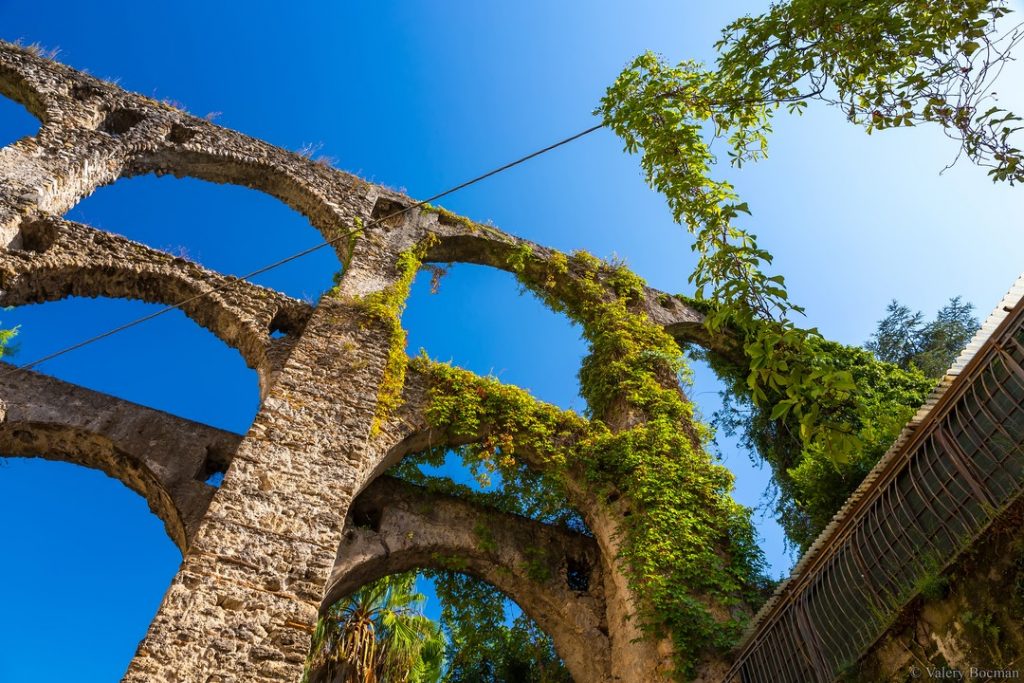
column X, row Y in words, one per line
column 486, row 647
column 377, row 635
column 903, row 358
column 811, row 484
column 904, row 339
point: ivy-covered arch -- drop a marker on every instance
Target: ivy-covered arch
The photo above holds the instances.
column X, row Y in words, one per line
column 679, row 555
column 552, row 573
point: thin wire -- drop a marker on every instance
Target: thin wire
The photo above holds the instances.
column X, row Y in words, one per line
column 276, row 264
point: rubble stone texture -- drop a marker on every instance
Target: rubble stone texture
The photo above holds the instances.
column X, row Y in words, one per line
column 305, row 513
column 281, row 538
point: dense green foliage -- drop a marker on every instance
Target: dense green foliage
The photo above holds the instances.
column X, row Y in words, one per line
column 485, row 647
column 885, row 63
column 640, row 458
column 377, row 635
column 903, row 338
column 812, row 484
column 907, row 356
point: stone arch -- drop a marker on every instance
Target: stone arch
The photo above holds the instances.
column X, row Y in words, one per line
column 447, row 533
column 460, row 240
column 330, row 199
column 21, row 83
column 161, row 457
column 59, row 259
column 553, row 574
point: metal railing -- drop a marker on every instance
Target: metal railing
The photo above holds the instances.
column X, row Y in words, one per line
column 950, row 479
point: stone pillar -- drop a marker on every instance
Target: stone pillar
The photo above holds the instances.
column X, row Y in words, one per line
column 245, row 600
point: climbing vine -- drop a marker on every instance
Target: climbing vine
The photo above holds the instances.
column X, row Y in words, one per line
column 688, row 549
column 386, row 306
column 885, row 64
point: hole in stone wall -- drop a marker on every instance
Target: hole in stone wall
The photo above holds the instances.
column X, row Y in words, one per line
column 82, row 92
column 37, row 236
column 54, row 512
column 282, row 325
column 180, row 134
column 577, row 575
column 386, row 213
column 214, row 467
column 365, row 516
column 120, row 121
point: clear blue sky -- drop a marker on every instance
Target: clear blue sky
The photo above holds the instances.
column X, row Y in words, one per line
column 420, row 96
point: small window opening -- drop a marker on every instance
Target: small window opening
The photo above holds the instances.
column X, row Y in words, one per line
column 181, row 134
column 120, row 121
column 37, row 237
column 84, row 92
column 577, row 575
column 282, row 325
column 388, row 213
column 214, row 467
column 367, row 517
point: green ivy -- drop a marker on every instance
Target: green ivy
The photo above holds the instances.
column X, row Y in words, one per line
column 885, row 63
column 686, row 544
column 813, row 483
column 386, row 306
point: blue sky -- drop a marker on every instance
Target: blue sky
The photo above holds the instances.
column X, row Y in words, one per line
column 421, row 96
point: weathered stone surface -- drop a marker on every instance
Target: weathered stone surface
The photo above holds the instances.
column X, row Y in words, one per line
column 58, row 259
column 552, row 573
column 263, row 553
column 164, row 458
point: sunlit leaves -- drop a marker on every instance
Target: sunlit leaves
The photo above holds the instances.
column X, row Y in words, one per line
column 885, row 64
column 377, row 634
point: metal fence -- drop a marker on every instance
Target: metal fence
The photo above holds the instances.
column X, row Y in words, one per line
column 961, row 467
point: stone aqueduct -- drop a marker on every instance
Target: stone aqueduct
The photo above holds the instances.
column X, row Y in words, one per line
column 279, row 539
